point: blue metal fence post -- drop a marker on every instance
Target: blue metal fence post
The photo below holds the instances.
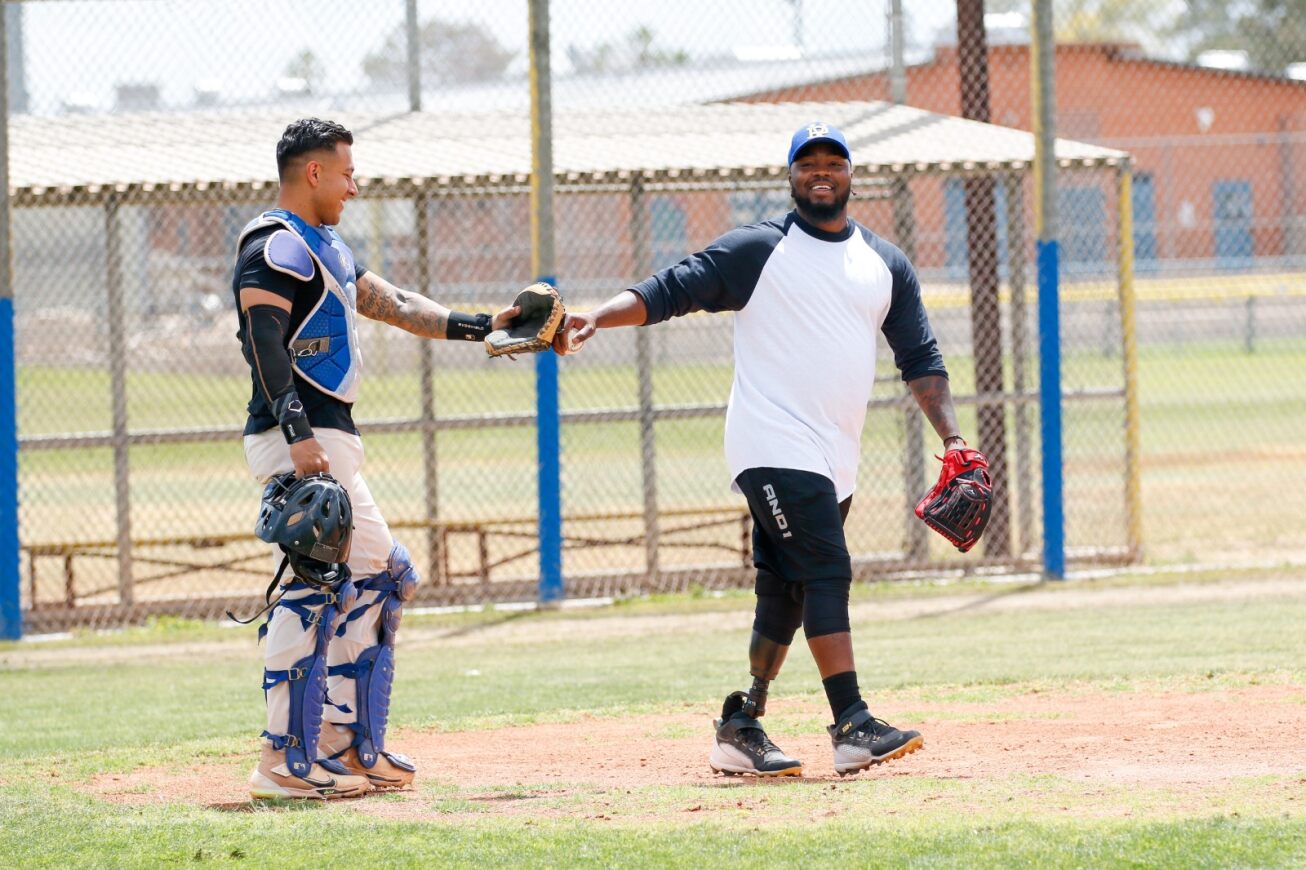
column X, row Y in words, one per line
column 1049, row 352
column 549, row 452
column 11, row 614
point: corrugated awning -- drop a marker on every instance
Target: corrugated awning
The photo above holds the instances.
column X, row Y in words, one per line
column 81, row 159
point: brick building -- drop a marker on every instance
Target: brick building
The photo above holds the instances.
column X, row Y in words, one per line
column 1219, row 155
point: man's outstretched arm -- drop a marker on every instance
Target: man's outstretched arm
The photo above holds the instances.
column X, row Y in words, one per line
column 721, row 277
column 378, row 299
column 624, row 309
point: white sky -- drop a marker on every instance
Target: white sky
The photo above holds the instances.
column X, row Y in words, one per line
column 80, row 49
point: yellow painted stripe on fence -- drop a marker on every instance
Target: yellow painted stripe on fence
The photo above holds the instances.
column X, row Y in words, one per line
column 1221, row 288
column 1129, row 340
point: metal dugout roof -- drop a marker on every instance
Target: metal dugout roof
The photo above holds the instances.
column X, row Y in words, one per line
column 85, row 160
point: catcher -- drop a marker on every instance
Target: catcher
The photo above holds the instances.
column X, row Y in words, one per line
column 329, row 659
column 813, row 293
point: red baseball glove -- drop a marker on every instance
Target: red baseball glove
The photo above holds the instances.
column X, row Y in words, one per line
column 958, row 505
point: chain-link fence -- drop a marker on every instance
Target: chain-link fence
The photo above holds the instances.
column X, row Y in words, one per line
column 139, row 148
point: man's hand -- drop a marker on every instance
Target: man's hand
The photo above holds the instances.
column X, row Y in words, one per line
column 539, row 312
column 504, row 318
column 624, row 309
column 308, row 457
column 576, row 330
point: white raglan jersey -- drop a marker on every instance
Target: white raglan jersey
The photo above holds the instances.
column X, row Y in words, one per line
column 811, row 306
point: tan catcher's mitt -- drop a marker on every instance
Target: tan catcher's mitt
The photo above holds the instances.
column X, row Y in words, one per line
column 531, row 331
column 958, row 506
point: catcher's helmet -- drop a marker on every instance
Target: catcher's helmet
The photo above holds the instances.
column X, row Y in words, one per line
column 309, row 517
column 314, row 572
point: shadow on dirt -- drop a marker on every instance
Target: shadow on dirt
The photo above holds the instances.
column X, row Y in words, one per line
column 270, row 805
column 983, row 601
column 485, row 625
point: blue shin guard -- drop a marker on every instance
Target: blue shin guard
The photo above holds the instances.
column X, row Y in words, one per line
column 373, row 671
column 307, row 677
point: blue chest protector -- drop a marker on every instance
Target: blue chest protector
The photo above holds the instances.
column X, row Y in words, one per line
column 324, row 349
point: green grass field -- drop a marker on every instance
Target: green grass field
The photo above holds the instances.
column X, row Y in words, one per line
column 992, row 665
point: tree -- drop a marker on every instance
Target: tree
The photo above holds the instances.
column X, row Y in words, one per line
column 1272, row 32
column 1107, row 20
column 450, row 52
column 636, row 51
column 1100, row 20
column 306, row 66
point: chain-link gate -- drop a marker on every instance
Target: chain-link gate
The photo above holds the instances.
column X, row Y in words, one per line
column 138, row 150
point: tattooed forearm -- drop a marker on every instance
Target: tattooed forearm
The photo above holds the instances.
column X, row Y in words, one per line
column 412, row 312
column 935, row 398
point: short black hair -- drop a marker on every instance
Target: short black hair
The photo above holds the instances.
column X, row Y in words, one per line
column 309, row 134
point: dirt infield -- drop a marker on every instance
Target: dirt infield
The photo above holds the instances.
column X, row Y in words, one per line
column 1192, row 747
column 1226, row 745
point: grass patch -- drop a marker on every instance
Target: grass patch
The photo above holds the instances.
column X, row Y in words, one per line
column 58, row 830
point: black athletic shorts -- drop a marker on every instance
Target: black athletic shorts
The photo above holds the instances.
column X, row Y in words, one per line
column 797, row 524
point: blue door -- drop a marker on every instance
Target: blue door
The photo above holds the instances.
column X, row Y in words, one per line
column 1232, row 210
column 1145, row 221
column 954, row 242
column 956, row 247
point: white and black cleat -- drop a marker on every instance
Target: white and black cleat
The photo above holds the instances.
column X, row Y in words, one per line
column 742, row 747
column 860, row 741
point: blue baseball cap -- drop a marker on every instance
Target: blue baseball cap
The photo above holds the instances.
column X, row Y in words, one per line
column 817, row 131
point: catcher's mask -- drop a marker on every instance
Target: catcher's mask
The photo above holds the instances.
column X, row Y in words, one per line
column 311, row 519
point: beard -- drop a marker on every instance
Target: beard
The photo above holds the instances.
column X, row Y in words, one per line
column 820, row 212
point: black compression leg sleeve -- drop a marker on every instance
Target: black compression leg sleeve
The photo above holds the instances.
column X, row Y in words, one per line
column 779, row 608
column 825, row 606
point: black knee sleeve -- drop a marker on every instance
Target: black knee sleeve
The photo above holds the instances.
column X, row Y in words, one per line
column 779, row 608
column 825, row 606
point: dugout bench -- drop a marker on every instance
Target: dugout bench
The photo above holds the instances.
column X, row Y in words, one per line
column 496, row 545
